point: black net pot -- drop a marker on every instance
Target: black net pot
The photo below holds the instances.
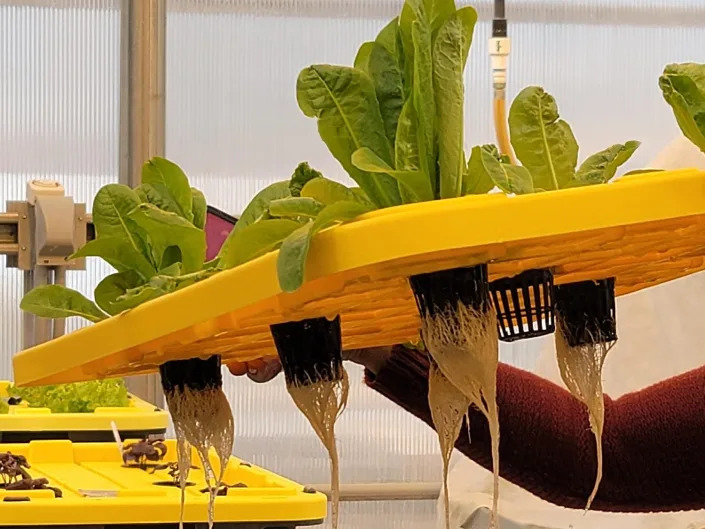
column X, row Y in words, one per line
column 195, row 374
column 437, row 293
column 524, row 305
column 309, row 350
column 587, row 311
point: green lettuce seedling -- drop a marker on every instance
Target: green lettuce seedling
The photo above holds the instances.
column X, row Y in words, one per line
column 683, row 87
column 547, row 149
column 152, row 236
column 79, row 397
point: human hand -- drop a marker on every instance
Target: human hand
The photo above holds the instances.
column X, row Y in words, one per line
column 260, row 370
column 265, row 369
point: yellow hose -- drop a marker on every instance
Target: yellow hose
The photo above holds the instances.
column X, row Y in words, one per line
column 500, row 125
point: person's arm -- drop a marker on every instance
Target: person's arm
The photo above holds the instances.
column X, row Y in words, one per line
column 653, row 441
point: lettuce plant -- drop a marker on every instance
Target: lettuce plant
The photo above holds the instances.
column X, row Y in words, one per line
column 152, row 236
column 683, row 87
column 547, row 149
column 80, row 397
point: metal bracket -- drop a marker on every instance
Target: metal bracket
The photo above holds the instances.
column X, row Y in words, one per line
column 21, row 257
column 37, row 235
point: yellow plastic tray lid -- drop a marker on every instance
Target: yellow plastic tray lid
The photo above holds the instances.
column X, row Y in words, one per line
column 643, row 230
column 139, row 416
column 98, row 489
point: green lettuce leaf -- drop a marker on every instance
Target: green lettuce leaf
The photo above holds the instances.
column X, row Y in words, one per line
column 168, row 229
column 328, row 192
column 602, row 166
column 118, row 253
column 291, row 263
column 199, row 207
column 168, row 184
column 111, row 208
column 256, row 240
column 543, row 143
column 477, row 180
column 344, row 102
column 111, row 291
column 57, row 301
column 294, row 207
column 450, row 51
column 384, row 70
column 683, row 87
column 302, row 175
column 416, row 185
column 509, row 178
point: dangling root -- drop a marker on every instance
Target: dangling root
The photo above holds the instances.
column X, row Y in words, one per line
column 203, row 420
column 183, row 454
column 464, row 344
column 448, row 407
column 581, row 371
column 322, row 402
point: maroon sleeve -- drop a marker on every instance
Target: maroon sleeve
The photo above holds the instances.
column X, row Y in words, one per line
column 653, row 442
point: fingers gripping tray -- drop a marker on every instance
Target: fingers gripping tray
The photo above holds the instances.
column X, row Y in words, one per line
column 642, row 230
column 90, row 486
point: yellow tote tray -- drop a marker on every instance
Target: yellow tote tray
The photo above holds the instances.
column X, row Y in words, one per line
column 643, row 229
column 23, row 423
column 98, row 490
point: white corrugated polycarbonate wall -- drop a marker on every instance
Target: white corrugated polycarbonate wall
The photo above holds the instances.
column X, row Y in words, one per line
column 59, row 119
column 233, row 124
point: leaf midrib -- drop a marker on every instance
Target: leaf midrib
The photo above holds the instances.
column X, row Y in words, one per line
column 87, row 315
column 124, row 226
column 544, row 138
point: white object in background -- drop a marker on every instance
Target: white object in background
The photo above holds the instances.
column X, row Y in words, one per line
column 680, row 153
column 499, row 57
column 116, row 436
column 43, row 188
column 658, row 331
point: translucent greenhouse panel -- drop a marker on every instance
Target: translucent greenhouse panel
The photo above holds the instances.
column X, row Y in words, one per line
column 59, row 113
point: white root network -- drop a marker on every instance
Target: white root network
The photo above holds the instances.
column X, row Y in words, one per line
column 581, row 371
column 464, row 344
column 202, row 420
column 322, row 402
column 448, row 407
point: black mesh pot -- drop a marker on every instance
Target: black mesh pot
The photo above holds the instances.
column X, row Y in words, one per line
column 309, row 350
column 524, row 305
column 195, row 374
column 438, row 292
column 587, row 311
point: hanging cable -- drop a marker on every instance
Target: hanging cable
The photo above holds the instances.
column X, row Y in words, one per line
column 499, row 56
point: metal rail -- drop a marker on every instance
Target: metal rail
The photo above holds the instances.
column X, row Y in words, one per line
column 142, row 114
column 357, row 492
column 593, row 12
column 9, row 233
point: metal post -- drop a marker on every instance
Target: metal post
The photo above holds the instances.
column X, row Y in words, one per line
column 142, row 113
column 59, row 279
column 142, row 85
column 357, row 492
